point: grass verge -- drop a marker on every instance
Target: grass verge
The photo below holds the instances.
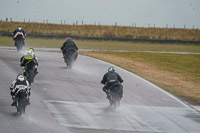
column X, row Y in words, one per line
column 178, row 74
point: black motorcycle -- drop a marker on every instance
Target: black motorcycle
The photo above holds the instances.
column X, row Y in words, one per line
column 19, row 41
column 21, row 99
column 70, row 56
column 115, row 94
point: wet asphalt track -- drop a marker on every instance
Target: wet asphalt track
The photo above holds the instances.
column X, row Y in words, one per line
column 72, row 101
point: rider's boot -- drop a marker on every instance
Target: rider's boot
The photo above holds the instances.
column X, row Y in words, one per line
column 122, row 93
column 36, row 72
column 106, row 91
column 14, row 103
column 28, row 101
column 108, row 95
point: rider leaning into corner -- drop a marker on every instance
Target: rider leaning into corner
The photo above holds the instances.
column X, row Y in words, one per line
column 29, row 60
column 20, row 81
column 68, row 44
column 20, row 31
column 109, row 79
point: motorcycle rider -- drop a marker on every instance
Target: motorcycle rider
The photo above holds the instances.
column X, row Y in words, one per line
column 69, row 44
column 20, row 81
column 29, row 60
column 110, row 78
column 18, row 30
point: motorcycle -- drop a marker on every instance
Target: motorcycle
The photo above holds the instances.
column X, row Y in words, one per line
column 19, row 41
column 70, row 56
column 115, row 95
column 30, row 74
column 21, row 100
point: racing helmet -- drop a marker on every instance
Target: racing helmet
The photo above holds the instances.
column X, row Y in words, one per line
column 29, row 54
column 31, row 49
column 19, row 27
column 68, row 38
column 111, row 69
column 20, row 77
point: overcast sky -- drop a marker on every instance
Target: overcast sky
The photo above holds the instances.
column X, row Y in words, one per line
column 105, row 12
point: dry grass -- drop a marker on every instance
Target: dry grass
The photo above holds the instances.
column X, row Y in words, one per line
column 104, row 31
